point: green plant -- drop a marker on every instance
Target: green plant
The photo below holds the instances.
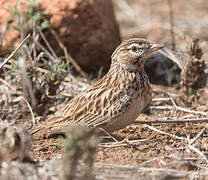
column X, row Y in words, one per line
column 81, row 145
column 14, row 69
column 57, row 73
column 39, row 58
column 30, row 19
column 58, row 70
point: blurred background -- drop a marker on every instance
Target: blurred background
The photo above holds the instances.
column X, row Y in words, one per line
column 152, row 19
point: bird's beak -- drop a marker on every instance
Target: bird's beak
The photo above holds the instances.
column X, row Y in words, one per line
column 155, row 47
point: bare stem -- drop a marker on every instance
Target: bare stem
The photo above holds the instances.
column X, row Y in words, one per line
column 171, row 121
column 68, row 56
column 13, row 53
column 171, row 24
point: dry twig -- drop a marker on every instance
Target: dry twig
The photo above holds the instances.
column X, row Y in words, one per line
column 187, row 140
column 171, row 121
column 2, row 34
column 161, row 108
column 162, row 132
column 197, row 136
column 178, row 108
column 48, row 45
column 47, row 52
column 123, row 143
column 26, row 82
column 197, row 151
column 68, row 57
column 109, row 135
column 13, row 53
column 171, row 23
column 185, row 109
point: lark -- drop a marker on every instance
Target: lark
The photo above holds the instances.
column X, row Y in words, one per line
column 114, row 101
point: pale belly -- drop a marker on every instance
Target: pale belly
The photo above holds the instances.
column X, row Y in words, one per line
column 128, row 117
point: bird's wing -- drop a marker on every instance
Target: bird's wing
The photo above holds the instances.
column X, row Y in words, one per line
column 94, row 107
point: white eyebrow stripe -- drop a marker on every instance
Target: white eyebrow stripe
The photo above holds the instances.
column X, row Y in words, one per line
column 134, row 44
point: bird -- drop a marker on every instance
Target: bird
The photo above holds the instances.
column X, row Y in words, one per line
column 114, row 101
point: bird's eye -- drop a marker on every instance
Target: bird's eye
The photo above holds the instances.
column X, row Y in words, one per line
column 134, row 48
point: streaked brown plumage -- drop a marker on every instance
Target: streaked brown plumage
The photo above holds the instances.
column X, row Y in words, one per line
column 114, row 101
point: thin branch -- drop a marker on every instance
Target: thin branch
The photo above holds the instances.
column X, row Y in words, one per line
column 47, row 52
column 190, row 111
column 185, row 109
column 48, row 45
column 26, row 82
column 198, row 136
column 197, row 151
column 123, row 143
column 68, row 57
column 162, row 132
column 34, row 36
column 178, row 108
column 161, row 108
column 160, row 99
column 172, row 172
column 171, row 24
column 171, row 121
column 3, row 31
column 13, row 53
column 103, row 130
column 187, row 116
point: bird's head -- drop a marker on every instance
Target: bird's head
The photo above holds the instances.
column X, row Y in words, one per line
column 134, row 52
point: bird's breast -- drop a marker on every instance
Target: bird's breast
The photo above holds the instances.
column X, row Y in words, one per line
column 140, row 99
column 138, row 105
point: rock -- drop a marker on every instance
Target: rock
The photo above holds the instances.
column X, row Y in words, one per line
column 87, row 28
column 162, row 70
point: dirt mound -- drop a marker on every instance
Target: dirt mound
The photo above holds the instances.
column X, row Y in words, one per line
column 87, row 28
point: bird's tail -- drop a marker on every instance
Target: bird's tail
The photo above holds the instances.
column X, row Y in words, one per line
column 48, row 128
